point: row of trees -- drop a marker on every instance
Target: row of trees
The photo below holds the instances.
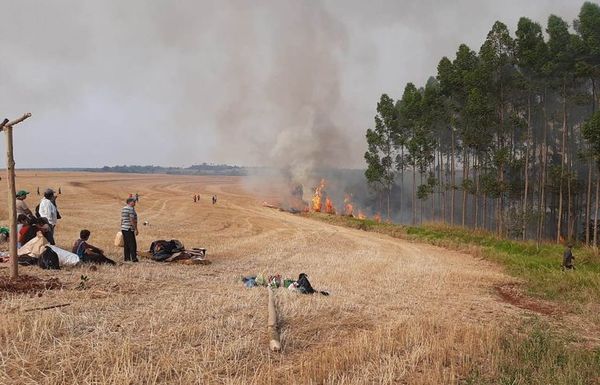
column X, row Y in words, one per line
column 505, row 139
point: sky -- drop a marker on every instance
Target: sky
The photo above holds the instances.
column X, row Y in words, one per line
column 286, row 83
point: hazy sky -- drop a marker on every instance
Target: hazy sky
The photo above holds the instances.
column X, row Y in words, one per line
column 289, row 83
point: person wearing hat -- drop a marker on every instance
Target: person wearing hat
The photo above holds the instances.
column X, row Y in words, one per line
column 48, row 211
column 22, row 207
column 129, row 229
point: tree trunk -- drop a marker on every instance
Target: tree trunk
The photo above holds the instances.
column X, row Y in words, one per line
column 525, row 193
column 441, row 187
column 401, row 210
column 562, row 165
column 453, row 178
column 596, row 211
column 588, row 201
column 544, row 157
column 464, row 179
column 414, row 195
column 476, row 165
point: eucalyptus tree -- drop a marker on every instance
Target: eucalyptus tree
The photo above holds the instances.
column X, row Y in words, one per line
column 496, row 59
column 562, row 70
column 432, row 125
column 382, row 142
column 530, row 57
column 588, row 65
column 410, row 121
column 591, row 132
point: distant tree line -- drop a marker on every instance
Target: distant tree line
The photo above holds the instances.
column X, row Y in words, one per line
column 199, row 169
column 505, row 139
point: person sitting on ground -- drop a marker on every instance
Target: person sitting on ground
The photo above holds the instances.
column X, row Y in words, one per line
column 30, row 229
column 88, row 253
column 23, row 224
column 22, row 208
column 568, row 258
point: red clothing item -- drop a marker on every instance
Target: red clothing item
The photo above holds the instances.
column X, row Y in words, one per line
column 22, row 233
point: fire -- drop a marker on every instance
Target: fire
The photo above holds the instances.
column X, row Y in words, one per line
column 317, row 203
column 348, row 208
column 377, row 218
column 361, row 215
column 329, row 209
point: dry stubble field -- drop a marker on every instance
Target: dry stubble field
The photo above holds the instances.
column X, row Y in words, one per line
column 399, row 312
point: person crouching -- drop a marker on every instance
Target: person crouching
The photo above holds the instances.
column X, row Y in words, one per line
column 88, row 253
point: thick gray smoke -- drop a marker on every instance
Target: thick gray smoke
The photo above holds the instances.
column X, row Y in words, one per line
column 293, row 119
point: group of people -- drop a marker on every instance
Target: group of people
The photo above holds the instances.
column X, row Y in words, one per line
column 197, row 198
column 46, row 216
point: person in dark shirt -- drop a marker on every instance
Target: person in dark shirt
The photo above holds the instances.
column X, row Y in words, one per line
column 88, row 253
column 568, row 258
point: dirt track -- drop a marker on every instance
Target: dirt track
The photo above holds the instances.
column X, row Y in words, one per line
column 182, row 324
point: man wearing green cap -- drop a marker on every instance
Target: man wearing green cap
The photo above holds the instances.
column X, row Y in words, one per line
column 21, row 205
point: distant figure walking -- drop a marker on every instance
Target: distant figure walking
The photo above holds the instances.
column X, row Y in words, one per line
column 48, row 210
column 568, row 258
column 38, row 191
column 194, row 198
column 137, row 197
column 59, row 191
column 129, row 229
column 214, row 199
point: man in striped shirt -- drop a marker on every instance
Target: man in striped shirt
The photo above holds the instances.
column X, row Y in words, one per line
column 129, row 229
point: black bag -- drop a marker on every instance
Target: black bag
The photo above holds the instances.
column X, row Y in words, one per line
column 305, row 287
column 26, row 260
column 49, row 260
column 162, row 250
column 304, row 284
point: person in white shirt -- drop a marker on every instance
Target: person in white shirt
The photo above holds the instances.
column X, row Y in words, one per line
column 48, row 210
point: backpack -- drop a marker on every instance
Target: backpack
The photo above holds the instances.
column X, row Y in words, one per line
column 49, row 260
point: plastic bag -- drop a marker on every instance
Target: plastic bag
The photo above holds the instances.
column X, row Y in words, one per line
column 65, row 258
column 119, row 239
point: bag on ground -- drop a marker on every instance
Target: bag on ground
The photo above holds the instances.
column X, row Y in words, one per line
column 65, row 258
column 49, row 259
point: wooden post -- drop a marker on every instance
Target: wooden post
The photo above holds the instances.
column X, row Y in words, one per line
column 274, row 342
column 7, row 127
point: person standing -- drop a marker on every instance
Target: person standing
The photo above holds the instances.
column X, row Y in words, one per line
column 568, row 258
column 22, row 207
column 129, row 229
column 48, row 211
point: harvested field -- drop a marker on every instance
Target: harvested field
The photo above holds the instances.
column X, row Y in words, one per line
column 398, row 313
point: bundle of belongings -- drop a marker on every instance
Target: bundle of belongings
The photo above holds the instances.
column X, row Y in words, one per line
column 38, row 251
column 302, row 285
column 174, row 251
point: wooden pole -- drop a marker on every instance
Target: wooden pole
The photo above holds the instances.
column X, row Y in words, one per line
column 274, row 342
column 12, row 207
column 7, row 127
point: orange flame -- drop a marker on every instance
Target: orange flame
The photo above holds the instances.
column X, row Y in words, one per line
column 329, row 209
column 377, row 218
column 348, row 208
column 317, row 203
column 361, row 215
